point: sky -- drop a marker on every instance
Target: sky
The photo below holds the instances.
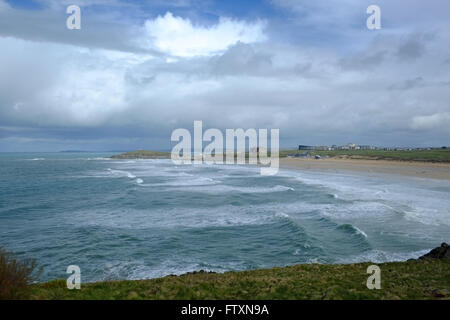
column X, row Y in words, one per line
column 137, row 70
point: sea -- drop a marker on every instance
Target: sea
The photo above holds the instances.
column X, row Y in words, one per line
column 140, row 219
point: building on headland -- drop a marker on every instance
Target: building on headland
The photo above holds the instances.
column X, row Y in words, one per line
column 348, row 146
column 317, row 148
column 354, row 146
column 303, row 147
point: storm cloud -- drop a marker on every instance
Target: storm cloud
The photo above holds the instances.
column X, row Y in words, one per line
column 121, row 83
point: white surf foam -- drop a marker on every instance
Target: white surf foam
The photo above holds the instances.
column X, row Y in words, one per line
column 179, row 217
column 358, row 230
column 381, row 256
column 281, row 215
column 420, row 200
column 221, row 188
column 121, row 173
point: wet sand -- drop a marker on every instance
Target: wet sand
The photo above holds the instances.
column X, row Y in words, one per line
column 414, row 169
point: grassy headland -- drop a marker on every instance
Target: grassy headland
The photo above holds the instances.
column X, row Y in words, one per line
column 142, row 154
column 415, row 279
column 433, row 155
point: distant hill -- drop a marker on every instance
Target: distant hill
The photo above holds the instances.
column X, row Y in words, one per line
column 142, row 154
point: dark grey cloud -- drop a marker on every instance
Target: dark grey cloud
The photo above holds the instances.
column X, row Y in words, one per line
column 242, row 59
column 411, row 49
column 50, row 26
column 408, row 84
column 364, row 61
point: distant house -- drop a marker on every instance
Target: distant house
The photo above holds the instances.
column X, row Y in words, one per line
column 318, row 148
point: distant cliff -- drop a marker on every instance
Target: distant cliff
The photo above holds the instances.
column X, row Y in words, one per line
column 142, row 154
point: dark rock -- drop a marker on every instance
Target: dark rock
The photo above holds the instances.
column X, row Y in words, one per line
column 440, row 293
column 200, row 271
column 442, row 252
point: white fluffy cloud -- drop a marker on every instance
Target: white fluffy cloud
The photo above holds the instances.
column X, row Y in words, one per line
column 180, row 37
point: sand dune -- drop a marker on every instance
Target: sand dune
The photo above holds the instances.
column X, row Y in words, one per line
column 416, row 169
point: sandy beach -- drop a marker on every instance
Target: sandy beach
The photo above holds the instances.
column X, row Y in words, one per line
column 415, row 169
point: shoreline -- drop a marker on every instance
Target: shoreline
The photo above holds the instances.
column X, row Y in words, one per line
column 439, row 170
column 427, row 170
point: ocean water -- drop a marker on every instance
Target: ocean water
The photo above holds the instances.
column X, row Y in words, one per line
column 136, row 219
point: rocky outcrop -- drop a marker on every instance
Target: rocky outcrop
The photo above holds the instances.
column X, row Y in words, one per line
column 442, row 252
column 440, row 293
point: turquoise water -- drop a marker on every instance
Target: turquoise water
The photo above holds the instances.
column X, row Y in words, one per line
column 135, row 219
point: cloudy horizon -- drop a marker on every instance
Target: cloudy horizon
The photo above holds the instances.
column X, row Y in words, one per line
column 137, row 70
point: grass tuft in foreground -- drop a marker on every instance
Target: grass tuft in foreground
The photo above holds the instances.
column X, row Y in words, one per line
column 16, row 276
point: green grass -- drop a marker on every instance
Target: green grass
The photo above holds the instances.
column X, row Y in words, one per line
column 399, row 280
column 434, row 155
